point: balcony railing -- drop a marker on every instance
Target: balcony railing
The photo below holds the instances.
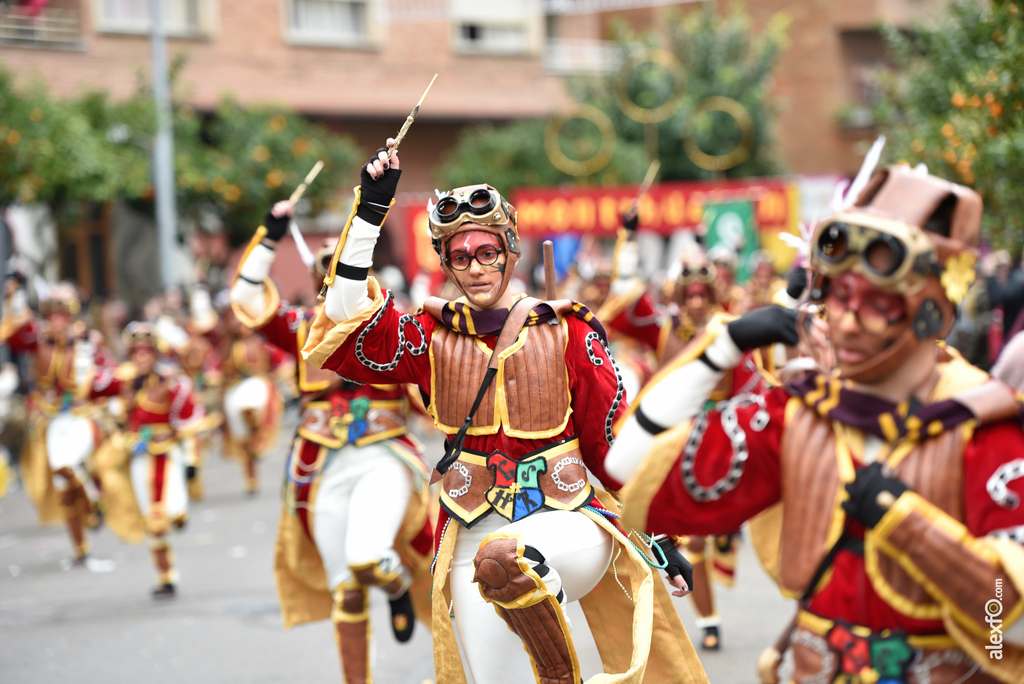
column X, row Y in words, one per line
column 567, row 56
column 50, row 28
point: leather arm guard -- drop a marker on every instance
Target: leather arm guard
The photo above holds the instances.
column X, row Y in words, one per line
column 529, row 609
column 961, row 572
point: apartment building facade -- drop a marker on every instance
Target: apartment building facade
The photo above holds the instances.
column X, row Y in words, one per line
column 359, row 65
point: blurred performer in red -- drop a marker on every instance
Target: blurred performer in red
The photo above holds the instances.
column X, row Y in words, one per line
column 894, row 481
column 251, row 401
column 161, row 418
column 200, row 362
column 526, row 393
column 355, row 510
column 69, row 368
column 632, row 312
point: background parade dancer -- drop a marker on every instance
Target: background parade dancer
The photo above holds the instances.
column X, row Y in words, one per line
column 527, row 394
column 155, row 448
column 898, row 475
column 355, row 509
column 250, row 400
column 69, row 369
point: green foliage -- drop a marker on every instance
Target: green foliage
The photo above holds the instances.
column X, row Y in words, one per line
column 955, row 104
column 719, row 56
column 236, row 161
column 50, row 152
column 243, row 159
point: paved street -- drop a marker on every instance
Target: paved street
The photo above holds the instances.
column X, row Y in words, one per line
column 59, row 625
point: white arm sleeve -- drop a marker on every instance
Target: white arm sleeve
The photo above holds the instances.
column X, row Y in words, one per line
column 347, row 298
column 667, row 404
column 256, row 267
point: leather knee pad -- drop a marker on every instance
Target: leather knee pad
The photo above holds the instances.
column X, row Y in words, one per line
column 528, row 607
column 386, row 573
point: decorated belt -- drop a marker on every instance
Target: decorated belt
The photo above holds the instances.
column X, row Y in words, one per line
column 553, row 477
column 859, row 655
column 338, row 421
column 154, row 439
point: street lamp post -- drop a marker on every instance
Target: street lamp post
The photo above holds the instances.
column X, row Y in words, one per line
column 163, row 152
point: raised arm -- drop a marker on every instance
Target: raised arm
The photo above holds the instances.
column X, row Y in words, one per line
column 359, row 333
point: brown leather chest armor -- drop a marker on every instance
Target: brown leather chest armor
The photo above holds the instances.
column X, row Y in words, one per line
column 816, row 462
column 529, row 397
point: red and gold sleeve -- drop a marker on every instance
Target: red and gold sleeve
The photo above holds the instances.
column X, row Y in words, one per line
column 638, row 319
column 973, row 569
column 598, row 397
column 21, row 335
column 281, row 329
column 186, row 413
column 709, row 475
column 380, row 345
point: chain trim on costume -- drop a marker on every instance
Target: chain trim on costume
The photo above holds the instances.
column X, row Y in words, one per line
column 441, row 539
column 403, row 345
column 819, row 646
column 997, row 484
column 103, row 378
column 736, row 435
column 922, row 670
column 1014, row 534
column 575, row 486
column 642, row 322
column 620, row 388
column 182, row 387
column 467, row 480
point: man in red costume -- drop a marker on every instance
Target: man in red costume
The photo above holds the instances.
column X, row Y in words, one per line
column 69, row 368
column 894, row 481
column 527, row 394
column 162, row 415
column 355, row 509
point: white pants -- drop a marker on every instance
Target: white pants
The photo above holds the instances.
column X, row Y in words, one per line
column 175, row 491
column 576, row 550
column 69, row 442
column 359, row 508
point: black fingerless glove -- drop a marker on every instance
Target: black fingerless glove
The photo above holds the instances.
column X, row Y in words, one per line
column 677, row 563
column 375, row 195
column 276, row 226
column 864, row 490
column 630, row 220
column 764, row 327
column 796, row 282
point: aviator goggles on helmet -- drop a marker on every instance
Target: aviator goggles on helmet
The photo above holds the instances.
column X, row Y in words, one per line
column 479, row 204
column 892, row 255
column 704, row 273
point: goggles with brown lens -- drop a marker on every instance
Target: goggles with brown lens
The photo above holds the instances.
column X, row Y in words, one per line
column 892, row 255
column 705, row 273
column 474, row 203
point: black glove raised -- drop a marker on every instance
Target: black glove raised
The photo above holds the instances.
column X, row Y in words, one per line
column 375, row 195
column 864, row 492
column 190, row 472
column 630, row 220
column 276, row 226
column 764, row 327
column 677, row 563
column 796, row 282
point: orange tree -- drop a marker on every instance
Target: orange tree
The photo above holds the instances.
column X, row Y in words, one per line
column 953, row 101
column 234, row 162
